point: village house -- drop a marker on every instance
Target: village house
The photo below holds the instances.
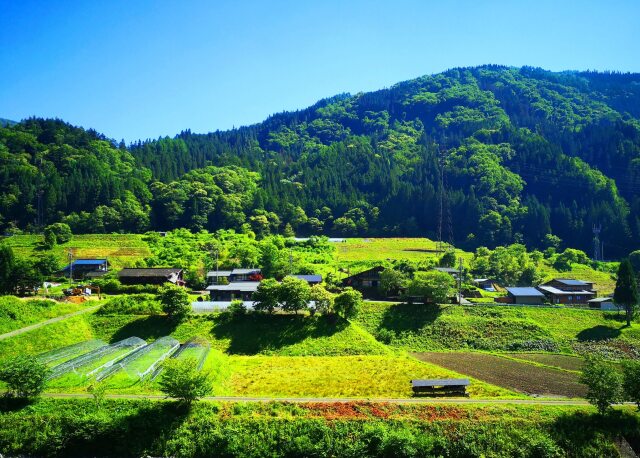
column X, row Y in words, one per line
column 151, row 276
column 523, row 295
column 603, row 303
column 233, row 291
column 81, row 268
column 215, row 277
column 367, row 279
column 485, row 283
column 568, row 291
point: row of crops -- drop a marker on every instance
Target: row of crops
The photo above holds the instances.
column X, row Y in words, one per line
column 128, row 360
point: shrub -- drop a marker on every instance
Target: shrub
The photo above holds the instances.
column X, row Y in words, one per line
column 433, row 286
column 322, row 299
column 25, row 376
column 182, row 380
column 135, row 304
column 237, row 308
column 347, row 304
column 534, row 345
column 604, row 384
column 175, row 302
column 57, row 233
column 631, row 381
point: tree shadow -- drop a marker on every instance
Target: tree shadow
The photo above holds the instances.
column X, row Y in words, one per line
column 599, row 332
column 151, row 327
column 255, row 332
column 138, row 434
column 13, row 404
column 410, row 317
column 584, row 432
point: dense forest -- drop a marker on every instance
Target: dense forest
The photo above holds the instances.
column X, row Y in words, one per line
column 515, row 155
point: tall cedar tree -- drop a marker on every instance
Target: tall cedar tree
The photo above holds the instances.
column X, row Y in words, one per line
column 626, row 292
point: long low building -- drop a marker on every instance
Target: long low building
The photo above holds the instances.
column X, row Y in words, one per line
column 233, row 291
column 150, row 276
column 524, row 295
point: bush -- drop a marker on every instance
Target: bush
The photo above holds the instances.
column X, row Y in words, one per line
column 57, row 233
column 175, row 302
column 25, row 376
column 631, row 381
column 237, row 308
column 604, row 384
column 348, row 303
column 135, row 304
column 534, row 345
column 182, row 380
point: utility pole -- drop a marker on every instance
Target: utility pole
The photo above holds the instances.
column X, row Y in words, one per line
column 290, row 261
column 70, row 258
column 460, row 272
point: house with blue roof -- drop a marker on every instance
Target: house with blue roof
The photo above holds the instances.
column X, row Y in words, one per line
column 82, row 268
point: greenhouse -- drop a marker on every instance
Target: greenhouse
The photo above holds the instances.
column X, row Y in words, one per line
column 102, row 357
column 142, row 362
column 61, row 355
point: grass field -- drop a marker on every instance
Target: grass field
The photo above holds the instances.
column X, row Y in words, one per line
column 17, row 313
column 507, row 373
column 122, row 250
column 340, row 376
column 424, row 328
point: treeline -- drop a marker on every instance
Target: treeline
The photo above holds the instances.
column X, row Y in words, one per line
column 525, row 152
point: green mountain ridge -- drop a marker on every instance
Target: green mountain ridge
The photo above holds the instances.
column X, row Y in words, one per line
column 526, row 153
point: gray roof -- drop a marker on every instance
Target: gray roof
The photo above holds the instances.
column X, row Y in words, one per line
column 559, row 292
column 571, row 282
column 449, row 270
column 601, row 299
column 219, row 273
column 244, row 271
column 245, row 286
column 441, row 382
column 525, row 291
column 149, row 272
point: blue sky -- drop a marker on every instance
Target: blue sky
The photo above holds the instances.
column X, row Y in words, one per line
column 142, row 69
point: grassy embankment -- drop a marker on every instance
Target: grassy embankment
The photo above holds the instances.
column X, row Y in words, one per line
column 158, row 428
column 257, row 355
column 17, row 313
column 493, row 328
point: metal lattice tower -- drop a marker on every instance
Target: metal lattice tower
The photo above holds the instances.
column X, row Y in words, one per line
column 444, row 208
column 597, row 252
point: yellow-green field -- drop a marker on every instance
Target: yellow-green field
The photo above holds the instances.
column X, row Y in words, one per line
column 122, row 250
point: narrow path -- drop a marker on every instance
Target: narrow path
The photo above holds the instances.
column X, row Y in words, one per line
column 31, row 327
column 551, row 402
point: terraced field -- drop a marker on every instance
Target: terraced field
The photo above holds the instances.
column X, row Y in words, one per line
column 509, row 374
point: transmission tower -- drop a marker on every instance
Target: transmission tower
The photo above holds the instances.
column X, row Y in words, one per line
column 597, row 247
column 444, row 211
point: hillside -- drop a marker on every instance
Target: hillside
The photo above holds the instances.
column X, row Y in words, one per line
column 525, row 153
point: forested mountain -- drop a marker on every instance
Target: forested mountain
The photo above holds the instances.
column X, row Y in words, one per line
column 526, row 153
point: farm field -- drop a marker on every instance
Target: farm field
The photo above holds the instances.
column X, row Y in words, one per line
column 339, row 376
column 569, row 363
column 507, row 373
column 122, row 250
